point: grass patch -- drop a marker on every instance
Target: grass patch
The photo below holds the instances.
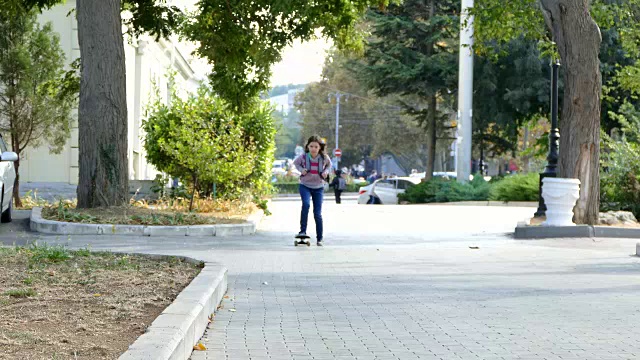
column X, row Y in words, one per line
column 21, row 293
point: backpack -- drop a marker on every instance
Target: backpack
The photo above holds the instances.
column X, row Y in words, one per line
column 306, row 158
column 342, row 184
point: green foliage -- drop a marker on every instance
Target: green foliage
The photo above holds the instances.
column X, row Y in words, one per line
column 39, row 254
column 510, row 188
column 259, row 130
column 201, row 140
column 36, row 93
column 516, row 188
column 21, row 293
column 499, row 22
column 412, row 51
column 440, row 190
column 508, row 91
column 620, row 170
column 243, row 39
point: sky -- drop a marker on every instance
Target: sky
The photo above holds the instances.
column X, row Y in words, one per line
column 301, row 63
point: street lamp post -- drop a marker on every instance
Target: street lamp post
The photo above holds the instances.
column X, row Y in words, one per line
column 338, row 95
column 554, row 140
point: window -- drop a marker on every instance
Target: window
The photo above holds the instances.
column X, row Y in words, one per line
column 386, row 184
column 404, row 184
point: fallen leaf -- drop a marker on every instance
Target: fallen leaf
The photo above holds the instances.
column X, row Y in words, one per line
column 200, row 347
column 474, row 247
column 226, row 296
column 96, row 295
column 232, row 310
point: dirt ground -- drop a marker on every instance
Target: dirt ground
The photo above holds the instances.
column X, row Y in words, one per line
column 59, row 304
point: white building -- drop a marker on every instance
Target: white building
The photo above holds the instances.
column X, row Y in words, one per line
column 147, row 62
column 285, row 102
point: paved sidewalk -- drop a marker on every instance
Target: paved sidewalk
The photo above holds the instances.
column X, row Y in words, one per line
column 407, row 282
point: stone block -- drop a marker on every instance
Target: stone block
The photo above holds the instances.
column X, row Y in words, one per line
column 166, row 230
column 617, row 232
column 228, row 230
column 541, row 232
column 111, row 229
column 201, row 230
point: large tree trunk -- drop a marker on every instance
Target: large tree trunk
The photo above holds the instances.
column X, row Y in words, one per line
column 578, row 38
column 102, row 115
column 431, row 137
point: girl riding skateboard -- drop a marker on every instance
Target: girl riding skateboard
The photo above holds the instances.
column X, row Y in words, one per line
column 314, row 166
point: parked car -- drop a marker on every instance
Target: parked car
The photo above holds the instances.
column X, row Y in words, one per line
column 385, row 191
column 7, row 179
column 279, row 167
column 449, row 174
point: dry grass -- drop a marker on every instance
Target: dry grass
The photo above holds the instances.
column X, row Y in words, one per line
column 162, row 212
column 60, row 304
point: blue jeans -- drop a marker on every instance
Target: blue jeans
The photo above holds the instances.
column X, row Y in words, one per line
column 308, row 194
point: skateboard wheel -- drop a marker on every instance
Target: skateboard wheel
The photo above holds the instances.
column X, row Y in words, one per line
column 295, row 243
column 308, row 243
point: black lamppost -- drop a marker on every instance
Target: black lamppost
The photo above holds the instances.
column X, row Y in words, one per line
column 554, row 137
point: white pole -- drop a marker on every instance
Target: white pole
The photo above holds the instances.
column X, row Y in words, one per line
column 465, row 93
column 337, row 127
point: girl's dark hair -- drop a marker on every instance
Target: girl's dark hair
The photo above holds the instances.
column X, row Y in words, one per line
column 317, row 139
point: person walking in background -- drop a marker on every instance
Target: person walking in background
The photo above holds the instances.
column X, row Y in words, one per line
column 338, row 184
column 373, row 177
column 314, row 166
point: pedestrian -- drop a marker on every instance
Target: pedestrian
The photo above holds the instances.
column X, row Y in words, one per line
column 314, row 166
column 373, row 177
column 338, row 184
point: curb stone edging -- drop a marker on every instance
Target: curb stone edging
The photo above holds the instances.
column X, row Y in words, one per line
column 41, row 225
column 524, row 231
column 172, row 335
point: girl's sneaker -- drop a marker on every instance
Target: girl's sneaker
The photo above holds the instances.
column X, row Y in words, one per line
column 301, row 235
column 319, row 243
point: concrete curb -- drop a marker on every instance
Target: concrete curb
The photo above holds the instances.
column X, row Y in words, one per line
column 524, row 231
column 180, row 326
column 38, row 224
column 489, row 203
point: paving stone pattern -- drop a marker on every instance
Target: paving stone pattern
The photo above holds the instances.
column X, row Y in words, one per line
column 410, row 282
column 432, row 300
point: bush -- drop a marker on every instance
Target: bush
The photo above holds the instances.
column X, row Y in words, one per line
column 202, row 141
column 620, row 170
column 516, row 188
column 442, row 190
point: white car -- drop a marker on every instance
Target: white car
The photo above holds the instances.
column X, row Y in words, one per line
column 385, row 191
column 279, row 167
column 7, row 179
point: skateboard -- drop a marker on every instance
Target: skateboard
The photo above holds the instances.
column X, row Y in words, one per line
column 302, row 240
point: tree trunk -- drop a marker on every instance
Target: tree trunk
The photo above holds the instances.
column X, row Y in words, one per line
column 17, row 202
column 431, row 137
column 433, row 104
column 578, row 39
column 102, row 113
